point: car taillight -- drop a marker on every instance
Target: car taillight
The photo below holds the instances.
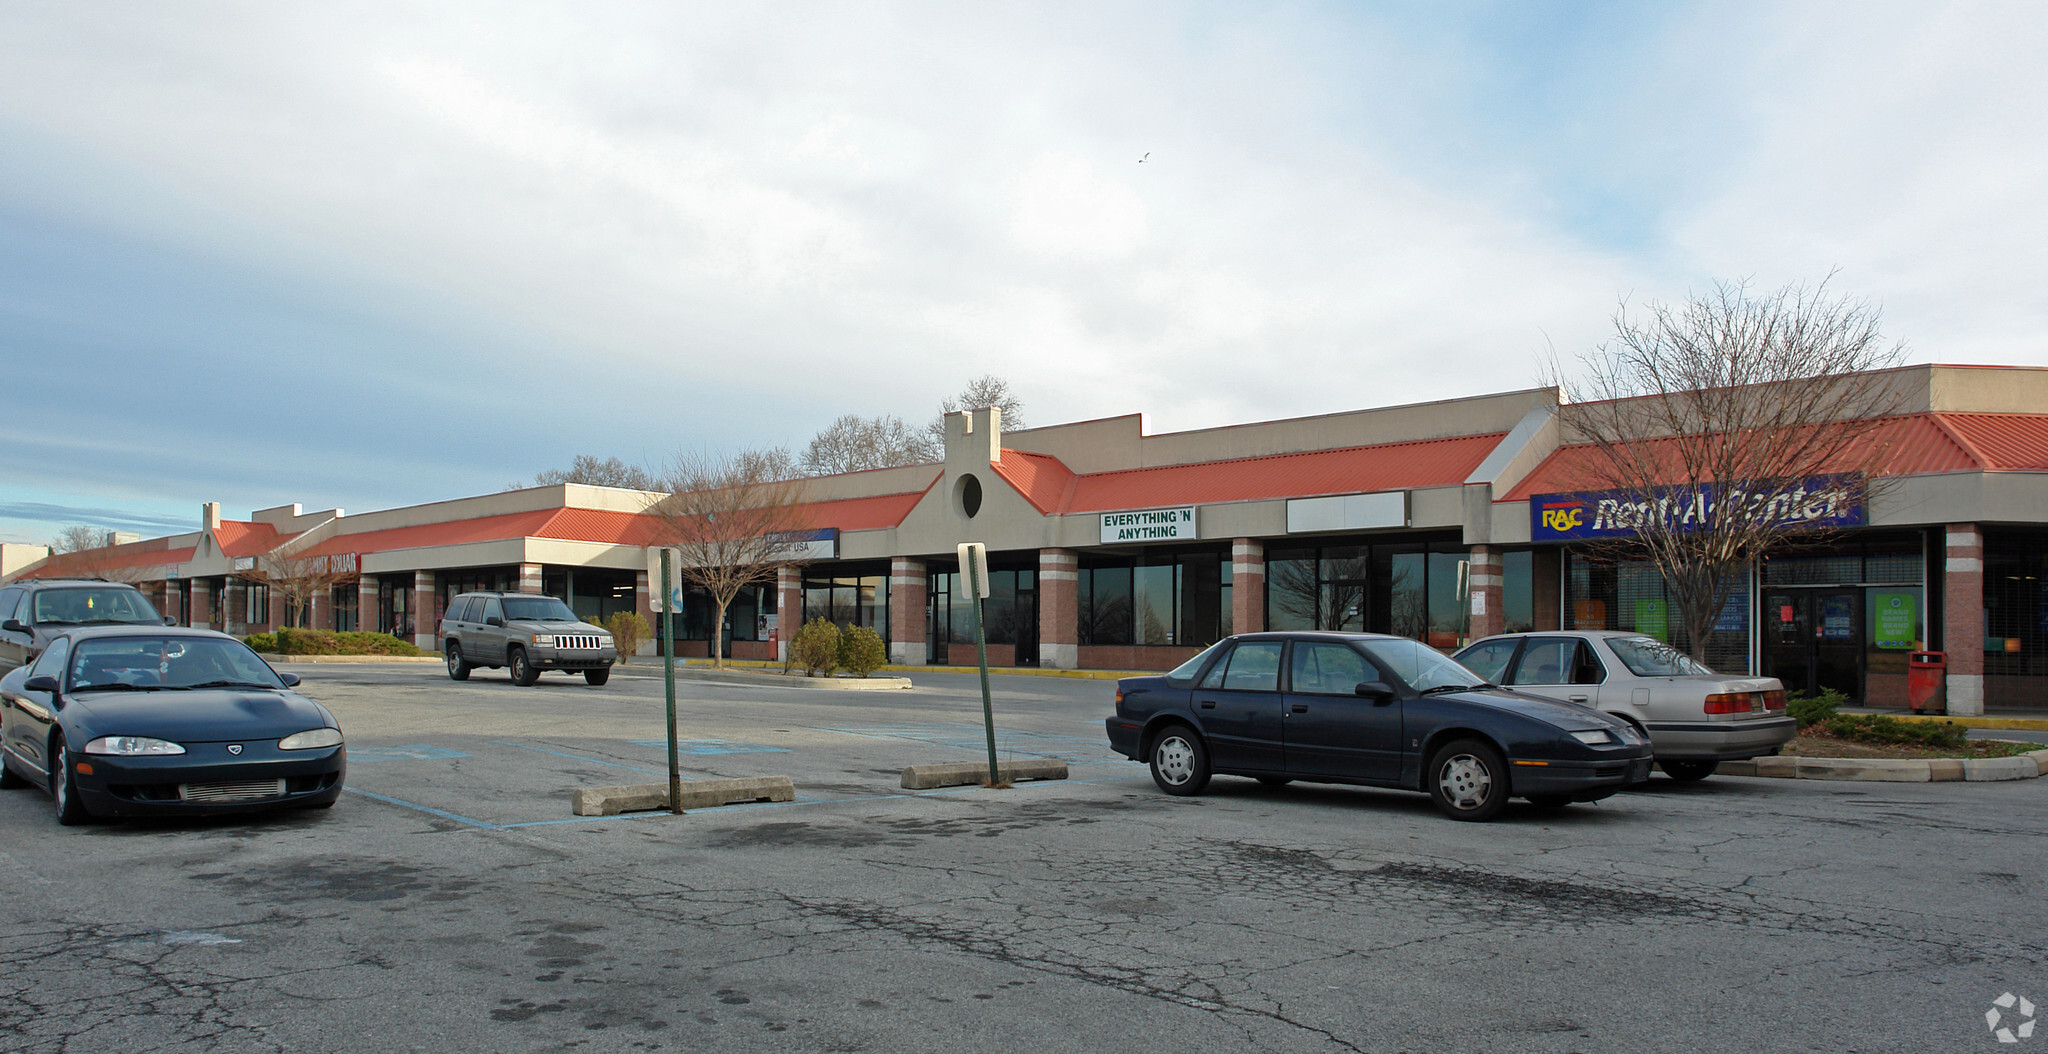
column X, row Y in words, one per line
column 1119, row 695
column 1728, row 703
column 1774, row 700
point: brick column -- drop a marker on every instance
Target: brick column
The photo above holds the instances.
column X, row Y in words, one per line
column 909, row 584
column 643, row 602
column 366, row 604
column 1247, row 586
column 276, row 614
column 529, row 578
column 1059, row 609
column 789, row 608
column 426, row 621
column 1484, row 577
column 1962, row 612
column 202, row 602
column 323, row 609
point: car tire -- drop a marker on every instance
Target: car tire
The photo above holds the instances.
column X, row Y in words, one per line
column 71, row 812
column 1688, row 771
column 523, row 673
column 1180, row 763
column 597, row 676
column 1276, row 781
column 1468, row 780
column 458, row 667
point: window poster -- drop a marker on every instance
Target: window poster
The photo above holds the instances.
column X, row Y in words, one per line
column 1897, row 619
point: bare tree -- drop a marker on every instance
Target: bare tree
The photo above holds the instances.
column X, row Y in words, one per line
column 854, row 443
column 985, row 390
column 1728, row 426
column 296, row 578
column 609, row 472
column 733, row 524
column 79, row 537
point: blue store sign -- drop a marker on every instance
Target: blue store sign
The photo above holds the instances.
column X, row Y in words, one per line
column 1823, row 502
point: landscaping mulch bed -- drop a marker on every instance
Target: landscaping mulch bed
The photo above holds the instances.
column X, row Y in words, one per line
column 1814, row 743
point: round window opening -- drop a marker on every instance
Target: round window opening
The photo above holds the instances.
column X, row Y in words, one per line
column 970, row 495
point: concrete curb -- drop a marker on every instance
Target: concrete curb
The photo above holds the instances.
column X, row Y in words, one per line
column 294, row 660
column 697, row 794
column 1007, row 671
column 775, row 680
column 969, row 773
column 1894, row 770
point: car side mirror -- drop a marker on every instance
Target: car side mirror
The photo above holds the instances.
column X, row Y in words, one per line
column 14, row 625
column 170, row 620
column 1377, row 691
column 494, row 621
column 44, row 683
column 291, row 680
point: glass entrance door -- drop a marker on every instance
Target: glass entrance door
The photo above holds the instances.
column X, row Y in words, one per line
column 1813, row 639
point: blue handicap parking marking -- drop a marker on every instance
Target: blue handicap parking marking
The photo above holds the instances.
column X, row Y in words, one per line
column 1071, row 749
column 416, row 752
column 711, row 746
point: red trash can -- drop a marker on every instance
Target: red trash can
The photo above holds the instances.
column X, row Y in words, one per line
column 1927, row 682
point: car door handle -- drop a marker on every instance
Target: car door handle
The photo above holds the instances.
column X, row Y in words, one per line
column 1573, row 698
column 1300, row 708
column 1206, row 703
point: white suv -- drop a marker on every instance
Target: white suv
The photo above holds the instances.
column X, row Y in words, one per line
column 1695, row 718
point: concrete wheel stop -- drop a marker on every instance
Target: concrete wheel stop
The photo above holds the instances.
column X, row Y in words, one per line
column 697, row 794
column 971, row 773
column 1895, row 770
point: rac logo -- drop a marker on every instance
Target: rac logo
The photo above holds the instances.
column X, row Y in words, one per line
column 1563, row 519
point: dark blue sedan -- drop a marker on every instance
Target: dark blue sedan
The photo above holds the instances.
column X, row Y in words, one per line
column 119, row 721
column 1368, row 709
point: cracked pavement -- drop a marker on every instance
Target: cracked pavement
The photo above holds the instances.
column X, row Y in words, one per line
column 446, row 904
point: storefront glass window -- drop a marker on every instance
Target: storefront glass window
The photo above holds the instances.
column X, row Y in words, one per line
column 1407, row 588
column 1518, row 608
column 1159, row 599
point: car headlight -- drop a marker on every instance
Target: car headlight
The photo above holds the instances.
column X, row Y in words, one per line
column 132, row 746
column 311, row 739
column 544, row 640
column 1595, row 737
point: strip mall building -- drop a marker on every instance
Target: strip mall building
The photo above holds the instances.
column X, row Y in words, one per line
column 1115, row 549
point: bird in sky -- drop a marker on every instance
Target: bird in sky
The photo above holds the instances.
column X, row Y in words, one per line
column 1141, row 160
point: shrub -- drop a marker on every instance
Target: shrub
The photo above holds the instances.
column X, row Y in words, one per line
column 628, row 629
column 1813, row 709
column 816, row 647
column 861, row 650
column 1876, row 728
column 326, row 642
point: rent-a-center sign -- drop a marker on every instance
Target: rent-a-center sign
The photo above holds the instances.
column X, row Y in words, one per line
column 1823, row 502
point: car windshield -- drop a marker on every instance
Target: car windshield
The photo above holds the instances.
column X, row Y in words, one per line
column 537, row 609
column 89, row 606
column 1186, row 671
column 1422, row 666
column 1650, row 657
column 165, row 663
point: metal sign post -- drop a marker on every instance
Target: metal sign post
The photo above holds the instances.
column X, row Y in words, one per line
column 974, row 562
column 668, row 671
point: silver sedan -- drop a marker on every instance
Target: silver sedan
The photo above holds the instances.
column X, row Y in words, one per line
column 1695, row 718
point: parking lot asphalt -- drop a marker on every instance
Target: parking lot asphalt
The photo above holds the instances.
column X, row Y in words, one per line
column 451, row 902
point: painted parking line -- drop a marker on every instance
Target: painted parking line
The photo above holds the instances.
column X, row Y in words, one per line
column 415, row 752
column 705, row 747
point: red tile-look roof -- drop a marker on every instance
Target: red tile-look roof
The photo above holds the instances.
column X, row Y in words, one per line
column 1916, row 444
column 1053, row 489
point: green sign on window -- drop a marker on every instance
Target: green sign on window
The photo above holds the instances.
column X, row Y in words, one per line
column 1898, row 616
column 1653, row 619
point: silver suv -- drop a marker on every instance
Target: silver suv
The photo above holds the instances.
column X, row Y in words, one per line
column 526, row 633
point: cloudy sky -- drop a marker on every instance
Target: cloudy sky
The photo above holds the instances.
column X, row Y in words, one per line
column 366, row 255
